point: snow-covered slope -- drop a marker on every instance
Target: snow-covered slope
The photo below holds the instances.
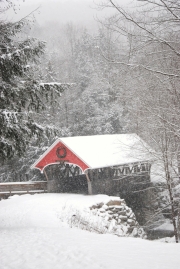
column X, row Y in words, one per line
column 35, row 234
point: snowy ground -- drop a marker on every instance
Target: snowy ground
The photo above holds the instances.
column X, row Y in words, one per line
column 34, row 234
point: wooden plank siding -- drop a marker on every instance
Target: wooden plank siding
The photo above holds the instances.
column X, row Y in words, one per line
column 12, row 188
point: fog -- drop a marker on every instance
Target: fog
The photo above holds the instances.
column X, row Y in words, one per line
column 61, row 11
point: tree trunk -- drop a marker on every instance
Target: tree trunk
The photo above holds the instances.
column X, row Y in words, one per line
column 169, row 185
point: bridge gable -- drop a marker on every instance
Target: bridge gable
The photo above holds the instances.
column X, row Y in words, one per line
column 59, row 153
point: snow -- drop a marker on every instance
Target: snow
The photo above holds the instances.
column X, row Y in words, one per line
column 51, row 83
column 9, row 116
column 99, row 151
column 42, row 84
column 35, row 234
column 167, row 225
column 157, row 172
column 21, row 183
column 108, row 150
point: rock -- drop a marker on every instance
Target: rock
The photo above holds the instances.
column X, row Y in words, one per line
column 117, row 210
column 99, row 205
column 93, row 207
column 131, row 222
column 130, row 229
column 123, row 213
column 118, row 218
column 111, row 207
column 131, row 215
column 135, row 232
column 110, row 212
column 115, row 202
column 123, row 218
column 118, row 207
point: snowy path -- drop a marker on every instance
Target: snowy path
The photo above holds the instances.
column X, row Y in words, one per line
column 33, row 237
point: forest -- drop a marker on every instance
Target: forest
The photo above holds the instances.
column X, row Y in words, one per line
column 122, row 77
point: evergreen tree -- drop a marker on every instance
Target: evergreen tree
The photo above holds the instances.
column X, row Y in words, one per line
column 21, row 93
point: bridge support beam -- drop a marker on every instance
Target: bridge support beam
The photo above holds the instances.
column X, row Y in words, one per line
column 89, row 183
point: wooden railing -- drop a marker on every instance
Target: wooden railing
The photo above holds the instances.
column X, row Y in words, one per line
column 11, row 188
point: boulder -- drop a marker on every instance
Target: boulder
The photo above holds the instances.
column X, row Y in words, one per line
column 123, row 218
column 114, row 202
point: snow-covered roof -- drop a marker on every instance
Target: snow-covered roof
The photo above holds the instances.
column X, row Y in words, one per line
column 105, row 150
column 109, row 150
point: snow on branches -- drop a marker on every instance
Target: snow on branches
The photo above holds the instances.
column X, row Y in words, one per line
column 22, row 96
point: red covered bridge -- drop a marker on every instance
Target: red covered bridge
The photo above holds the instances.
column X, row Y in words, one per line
column 122, row 153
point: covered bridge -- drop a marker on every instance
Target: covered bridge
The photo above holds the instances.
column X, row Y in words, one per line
column 117, row 164
column 98, row 158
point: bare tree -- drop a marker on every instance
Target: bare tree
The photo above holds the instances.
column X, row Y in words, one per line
column 152, row 38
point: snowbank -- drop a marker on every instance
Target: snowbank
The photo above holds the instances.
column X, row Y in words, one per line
column 34, row 236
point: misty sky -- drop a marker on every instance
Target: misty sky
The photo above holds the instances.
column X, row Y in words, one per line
column 61, row 10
